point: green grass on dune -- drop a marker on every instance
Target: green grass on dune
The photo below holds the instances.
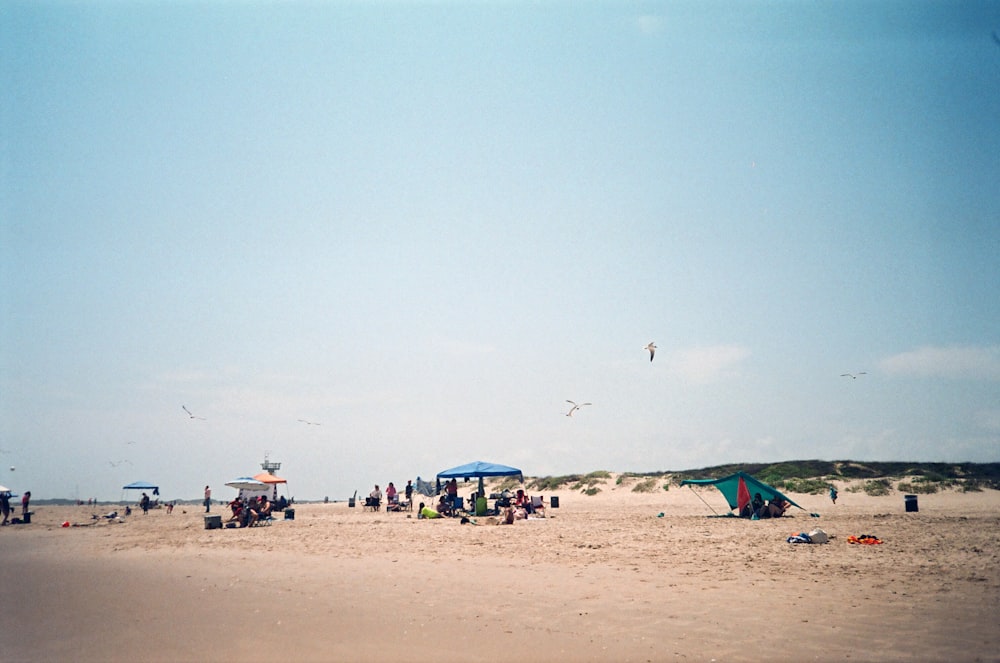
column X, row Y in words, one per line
column 801, row 476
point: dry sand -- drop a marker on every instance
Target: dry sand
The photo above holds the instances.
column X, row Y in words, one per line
column 603, row 578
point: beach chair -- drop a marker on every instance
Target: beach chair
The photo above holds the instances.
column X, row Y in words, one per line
column 458, row 505
column 538, row 505
column 372, row 503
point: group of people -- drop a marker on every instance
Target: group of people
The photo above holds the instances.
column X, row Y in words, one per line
column 392, row 499
column 757, row 508
column 249, row 512
column 5, row 506
column 509, row 506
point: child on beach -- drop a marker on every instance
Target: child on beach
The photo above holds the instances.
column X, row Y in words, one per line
column 833, row 494
column 427, row 512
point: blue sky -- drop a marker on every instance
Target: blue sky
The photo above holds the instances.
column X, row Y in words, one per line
column 427, row 225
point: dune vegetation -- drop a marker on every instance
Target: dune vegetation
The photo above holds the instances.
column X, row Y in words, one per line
column 799, row 476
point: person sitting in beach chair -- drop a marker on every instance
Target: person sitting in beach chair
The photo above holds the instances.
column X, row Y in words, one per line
column 265, row 507
column 250, row 513
column 374, row 499
column 522, row 501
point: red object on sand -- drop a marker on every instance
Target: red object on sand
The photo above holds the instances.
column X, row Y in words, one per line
column 65, row 523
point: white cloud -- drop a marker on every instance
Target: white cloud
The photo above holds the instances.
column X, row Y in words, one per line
column 961, row 362
column 708, row 364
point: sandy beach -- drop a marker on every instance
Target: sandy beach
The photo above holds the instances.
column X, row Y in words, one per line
column 602, row 578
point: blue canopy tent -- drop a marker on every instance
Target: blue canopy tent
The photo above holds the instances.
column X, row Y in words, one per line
column 729, row 487
column 479, row 470
column 142, row 485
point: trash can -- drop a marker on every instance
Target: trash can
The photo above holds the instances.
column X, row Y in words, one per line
column 911, row 502
column 554, row 501
column 213, row 522
column 350, row 502
column 26, row 517
column 289, row 514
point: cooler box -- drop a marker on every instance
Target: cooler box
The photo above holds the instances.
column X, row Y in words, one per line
column 213, row 522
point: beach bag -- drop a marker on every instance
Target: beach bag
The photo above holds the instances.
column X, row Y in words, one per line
column 818, row 536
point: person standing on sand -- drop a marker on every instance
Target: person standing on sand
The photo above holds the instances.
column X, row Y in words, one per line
column 144, row 504
column 833, row 494
column 409, row 492
column 208, row 499
column 24, row 503
column 5, row 506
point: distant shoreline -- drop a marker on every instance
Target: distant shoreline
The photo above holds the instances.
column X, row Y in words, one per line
column 933, row 475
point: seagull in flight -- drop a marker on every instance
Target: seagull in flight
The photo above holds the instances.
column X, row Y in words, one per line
column 184, row 407
column 853, row 376
column 652, row 349
column 575, row 407
column 310, row 423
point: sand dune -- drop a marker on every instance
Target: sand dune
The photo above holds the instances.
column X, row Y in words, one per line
column 603, row 578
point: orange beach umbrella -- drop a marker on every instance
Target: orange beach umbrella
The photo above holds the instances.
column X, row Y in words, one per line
column 264, row 477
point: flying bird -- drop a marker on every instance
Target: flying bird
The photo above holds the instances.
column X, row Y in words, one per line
column 853, row 376
column 575, row 407
column 184, row 407
column 310, row 423
column 652, row 350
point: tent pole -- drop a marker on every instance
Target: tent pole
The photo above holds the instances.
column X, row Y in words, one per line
column 703, row 500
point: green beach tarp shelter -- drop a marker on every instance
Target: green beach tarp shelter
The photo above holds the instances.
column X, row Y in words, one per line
column 479, row 469
column 729, row 487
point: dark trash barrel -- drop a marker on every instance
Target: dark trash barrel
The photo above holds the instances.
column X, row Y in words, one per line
column 911, row 502
column 213, row 522
column 350, row 502
column 26, row 517
column 289, row 514
column 554, row 502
